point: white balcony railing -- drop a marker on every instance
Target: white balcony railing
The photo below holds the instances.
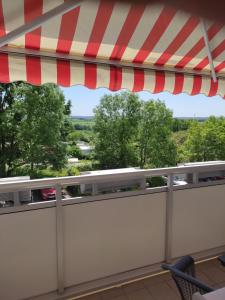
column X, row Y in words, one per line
column 69, row 246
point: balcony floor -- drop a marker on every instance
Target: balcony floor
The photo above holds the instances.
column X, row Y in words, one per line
column 162, row 287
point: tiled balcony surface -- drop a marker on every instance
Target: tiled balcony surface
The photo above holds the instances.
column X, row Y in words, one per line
column 162, row 287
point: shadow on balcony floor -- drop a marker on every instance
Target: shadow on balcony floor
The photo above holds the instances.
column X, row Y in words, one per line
column 162, row 287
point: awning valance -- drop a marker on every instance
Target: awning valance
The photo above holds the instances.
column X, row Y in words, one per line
column 111, row 44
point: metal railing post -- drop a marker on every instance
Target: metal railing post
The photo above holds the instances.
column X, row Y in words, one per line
column 94, row 189
column 169, row 216
column 16, row 198
column 195, row 177
column 59, row 239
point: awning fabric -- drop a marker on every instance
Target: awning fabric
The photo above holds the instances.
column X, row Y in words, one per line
column 114, row 45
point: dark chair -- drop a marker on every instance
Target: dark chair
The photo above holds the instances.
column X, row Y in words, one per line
column 222, row 260
column 183, row 273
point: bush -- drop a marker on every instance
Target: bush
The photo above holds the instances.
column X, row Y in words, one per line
column 73, row 171
column 88, row 166
column 21, row 171
column 45, row 172
column 156, row 181
column 73, row 190
column 74, row 151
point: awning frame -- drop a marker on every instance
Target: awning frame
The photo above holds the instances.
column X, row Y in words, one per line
column 26, row 28
column 105, row 62
column 68, row 6
column 208, row 51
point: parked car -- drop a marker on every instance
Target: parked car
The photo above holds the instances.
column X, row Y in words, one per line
column 48, row 194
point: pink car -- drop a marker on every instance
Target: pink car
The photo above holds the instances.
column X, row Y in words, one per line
column 48, row 194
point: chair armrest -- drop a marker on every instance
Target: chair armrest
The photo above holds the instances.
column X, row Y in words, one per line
column 198, row 296
column 222, row 260
column 188, row 278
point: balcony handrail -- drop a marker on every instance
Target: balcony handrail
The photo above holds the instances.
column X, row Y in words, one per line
column 59, row 204
column 93, row 178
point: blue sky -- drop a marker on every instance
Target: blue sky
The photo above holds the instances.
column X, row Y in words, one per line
column 182, row 105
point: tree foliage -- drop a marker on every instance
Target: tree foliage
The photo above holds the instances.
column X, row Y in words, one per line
column 156, row 147
column 180, row 124
column 34, row 126
column 116, row 123
column 129, row 132
column 205, row 141
column 41, row 126
column 10, row 118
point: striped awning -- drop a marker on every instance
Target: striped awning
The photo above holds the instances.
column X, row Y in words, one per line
column 112, row 44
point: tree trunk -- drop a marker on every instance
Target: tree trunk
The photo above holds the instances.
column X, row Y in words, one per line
column 32, row 167
column 3, row 172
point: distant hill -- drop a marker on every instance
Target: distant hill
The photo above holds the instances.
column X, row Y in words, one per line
column 200, row 119
column 82, row 117
column 180, row 118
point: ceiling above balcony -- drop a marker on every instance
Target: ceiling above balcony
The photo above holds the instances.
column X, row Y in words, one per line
column 111, row 44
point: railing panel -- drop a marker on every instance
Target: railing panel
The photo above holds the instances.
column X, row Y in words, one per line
column 198, row 220
column 28, row 254
column 103, row 238
column 103, row 235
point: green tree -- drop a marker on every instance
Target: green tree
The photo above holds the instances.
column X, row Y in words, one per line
column 193, row 148
column 180, row 138
column 116, row 123
column 42, row 129
column 155, row 143
column 67, row 127
column 205, row 141
column 180, row 124
column 10, row 118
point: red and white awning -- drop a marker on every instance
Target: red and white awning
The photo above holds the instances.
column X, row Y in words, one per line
column 111, row 44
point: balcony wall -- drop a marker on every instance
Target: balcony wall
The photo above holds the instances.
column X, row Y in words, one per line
column 45, row 246
column 28, row 254
column 112, row 236
column 198, row 219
